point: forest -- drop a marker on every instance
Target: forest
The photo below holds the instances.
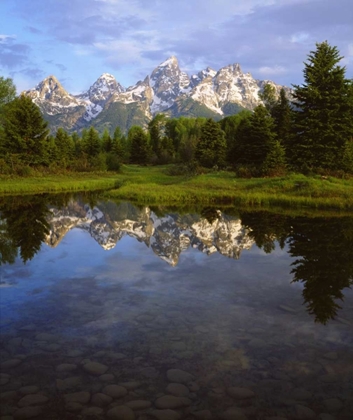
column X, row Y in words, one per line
column 310, row 132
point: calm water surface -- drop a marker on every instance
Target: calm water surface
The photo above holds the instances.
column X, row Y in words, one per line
column 111, row 311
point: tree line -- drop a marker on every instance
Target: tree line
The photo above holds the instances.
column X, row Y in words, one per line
column 310, row 132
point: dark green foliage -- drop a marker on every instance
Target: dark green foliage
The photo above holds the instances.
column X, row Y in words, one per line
column 112, row 162
column 117, row 133
column 8, row 248
column 230, row 127
column 167, row 153
column 26, row 226
column 238, row 143
column 139, row 147
column 283, row 116
column 257, row 137
column 275, row 162
column 65, row 147
column 52, row 150
column 162, row 146
column 212, row 147
column 323, row 264
column 106, row 141
column 323, row 117
column 26, row 132
column 184, row 134
column 91, row 142
column 347, row 158
column 156, row 131
column 120, row 146
column 266, row 229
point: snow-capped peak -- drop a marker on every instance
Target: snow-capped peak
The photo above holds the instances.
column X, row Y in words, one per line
column 168, row 82
column 107, row 76
column 102, row 89
column 50, row 94
column 171, row 61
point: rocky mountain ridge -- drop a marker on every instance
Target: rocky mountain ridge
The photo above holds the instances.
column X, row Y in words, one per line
column 108, row 104
column 167, row 236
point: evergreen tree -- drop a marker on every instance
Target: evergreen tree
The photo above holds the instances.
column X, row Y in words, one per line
column 275, row 161
column 155, row 132
column 323, row 117
column 139, row 147
column 237, row 151
column 106, row 141
column 25, row 131
column 91, row 142
column 77, row 142
column 52, row 150
column 120, row 147
column 261, row 137
column 230, row 127
column 347, row 159
column 282, row 115
column 167, row 151
column 212, row 147
column 117, row 133
column 65, row 147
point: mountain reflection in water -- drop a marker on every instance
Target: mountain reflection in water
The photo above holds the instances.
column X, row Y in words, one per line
column 321, row 246
column 114, row 311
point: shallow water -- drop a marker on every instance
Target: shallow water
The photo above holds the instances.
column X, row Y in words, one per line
column 125, row 312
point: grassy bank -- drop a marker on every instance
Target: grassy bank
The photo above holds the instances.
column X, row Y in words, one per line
column 153, row 186
column 57, row 183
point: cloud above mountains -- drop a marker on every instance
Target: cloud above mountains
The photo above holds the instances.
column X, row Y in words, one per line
column 269, row 38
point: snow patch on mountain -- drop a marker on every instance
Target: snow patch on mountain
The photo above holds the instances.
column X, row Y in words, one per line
column 167, row 236
column 158, row 92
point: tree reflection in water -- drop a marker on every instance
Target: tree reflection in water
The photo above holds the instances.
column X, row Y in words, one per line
column 321, row 246
column 323, row 252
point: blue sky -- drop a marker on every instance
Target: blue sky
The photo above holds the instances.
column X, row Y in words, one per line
column 78, row 40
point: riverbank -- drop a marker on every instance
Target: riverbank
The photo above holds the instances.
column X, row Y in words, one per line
column 153, row 185
column 57, row 183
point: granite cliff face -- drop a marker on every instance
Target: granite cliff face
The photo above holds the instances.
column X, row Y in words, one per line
column 167, row 89
column 167, row 236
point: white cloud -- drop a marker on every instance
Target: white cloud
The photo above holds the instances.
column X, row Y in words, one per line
column 299, row 37
column 6, row 38
column 271, row 71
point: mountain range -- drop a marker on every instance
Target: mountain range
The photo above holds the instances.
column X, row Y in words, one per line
column 167, row 236
column 107, row 104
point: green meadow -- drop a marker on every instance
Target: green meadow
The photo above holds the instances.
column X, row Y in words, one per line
column 155, row 186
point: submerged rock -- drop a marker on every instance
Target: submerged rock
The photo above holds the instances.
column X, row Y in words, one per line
column 122, row 412
column 95, row 368
column 179, row 376
column 170, row 401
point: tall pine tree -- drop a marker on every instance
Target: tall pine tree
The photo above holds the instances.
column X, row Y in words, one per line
column 25, row 131
column 211, row 149
column 323, row 117
column 65, row 147
column 261, row 137
column 139, row 147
